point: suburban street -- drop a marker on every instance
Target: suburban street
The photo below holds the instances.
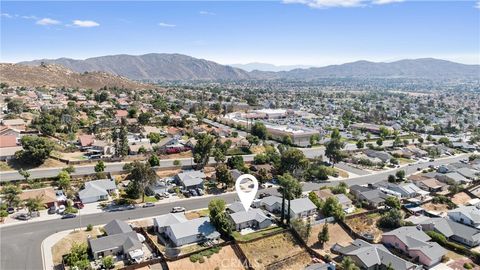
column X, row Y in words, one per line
column 26, row 239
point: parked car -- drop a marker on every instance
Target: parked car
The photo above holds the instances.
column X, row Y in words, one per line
column 78, row 205
column 61, row 209
column 52, row 210
column 131, row 207
column 69, row 215
column 263, row 195
column 10, row 210
column 193, row 192
column 148, row 204
column 178, row 209
column 200, row 192
column 23, row 216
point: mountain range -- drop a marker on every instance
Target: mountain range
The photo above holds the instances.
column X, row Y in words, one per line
column 157, row 67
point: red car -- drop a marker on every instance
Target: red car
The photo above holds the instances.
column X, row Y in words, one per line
column 78, row 205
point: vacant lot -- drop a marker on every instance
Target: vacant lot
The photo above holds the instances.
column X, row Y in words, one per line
column 366, row 224
column 461, row 198
column 63, row 246
column 271, row 249
column 336, row 235
column 435, row 207
column 197, row 214
column 225, row 259
column 296, row 261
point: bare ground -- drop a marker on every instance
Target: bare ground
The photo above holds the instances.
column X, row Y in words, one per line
column 336, row 235
column 63, row 246
column 225, row 259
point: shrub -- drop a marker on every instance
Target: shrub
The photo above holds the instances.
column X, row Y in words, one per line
column 195, row 257
column 89, row 227
column 468, row 265
column 176, row 162
column 201, row 260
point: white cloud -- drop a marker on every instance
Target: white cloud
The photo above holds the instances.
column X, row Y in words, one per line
column 30, row 17
column 383, row 2
column 47, row 21
column 478, row 5
column 80, row 23
column 162, row 24
column 326, row 3
column 207, row 13
column 6, row 15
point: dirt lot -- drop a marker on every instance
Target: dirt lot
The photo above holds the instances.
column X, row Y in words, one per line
column 271, row 249
column 296, row 261
column 63, row 246
column 461, row 198
column 197, row 214
column 456, row 261
column 167, row 173
column 436, row 207
column 336, row 234
column 366, row 224
column 225, row 259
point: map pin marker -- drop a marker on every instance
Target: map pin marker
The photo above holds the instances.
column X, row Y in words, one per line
column 247, row 190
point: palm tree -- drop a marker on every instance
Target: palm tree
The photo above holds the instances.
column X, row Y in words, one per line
column 290, row 189
column 11, row 193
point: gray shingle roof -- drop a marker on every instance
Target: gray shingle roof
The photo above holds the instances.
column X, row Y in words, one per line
column 194, row 227
column 450, row 228
column 112, row 241
column 169, row 219
column 252, row 214
column 302, row 205
column 117, row 226
column 191, row 178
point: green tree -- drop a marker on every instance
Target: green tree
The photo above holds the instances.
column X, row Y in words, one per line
column 292, row 161
column 392, row 178
column 380, row 142
column 332, row 208
column 253, row 140
column 154, row 160
column 24, row 173
column 259, row 130
column 223, row 175
column 108, row 262
column 314, row 139
column 236, row 162
column 154, row 137
column 33, row 204
column 63, row 180
column 144, row 118
column 78, row 256
column 393, row 202
column 142, row 175
column 314, row 198
column 10, row 195
column 348, row 264
column 384, row 132
column 100, row 166
column 360, row 144
column 333, row 149
column 35, row 150
column 218, row 217
column 400, row 174
column 323, row 235
column 101, row 97
column 201, row 151
column 290, row 189
column 391, row 219
column 16, row 106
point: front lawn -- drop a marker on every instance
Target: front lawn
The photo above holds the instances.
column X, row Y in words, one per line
column 256, row 234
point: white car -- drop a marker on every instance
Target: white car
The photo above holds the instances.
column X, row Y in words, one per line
column 178, row 209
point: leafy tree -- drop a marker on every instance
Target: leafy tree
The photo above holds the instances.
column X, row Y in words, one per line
column 143, row 175
column 154, row 137
column 323, row 235
column 236, row 162
column 70, row 169
column 33, row 204
column 201, row 151
column 314, row 139
column 341, row 188
column 391, row 219
column 223, row 175
column 315, row 200
column 132, row 112
column 393, row 202
column 420, row 140
column 392, row 178
column 292, row 161
column 144, row 118
column 400, row 175
column 24, row 173
column 218, row 217
column 384, row 132
column 445, row 141
column 16, row 106
column 3, row 215
column 334, row 147
column 63, row 180
column 122, row 142
column 260, row 158
column 154, row 160
column 101, row 97
column 303, row 228
column 360, row 144
column 332, row 208
column 78, row 256
column 455, row 188
column 100, row 166
column 252, row 140
column 218, row 155
column 35, row 150
column 379, row 142
column 348, row 264
column 108, row 262
column 287, row 140
column 259, row 130
column 10, row 194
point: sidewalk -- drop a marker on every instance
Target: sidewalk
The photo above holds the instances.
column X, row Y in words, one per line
column 47, row 245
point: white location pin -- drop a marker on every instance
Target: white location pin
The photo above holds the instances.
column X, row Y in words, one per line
column 246, row 191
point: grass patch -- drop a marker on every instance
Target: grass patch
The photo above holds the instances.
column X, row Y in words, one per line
column 150, row 199
column 405, row 160
column 256, row 234
column 4, row 167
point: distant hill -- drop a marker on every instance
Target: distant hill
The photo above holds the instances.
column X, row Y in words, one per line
column 267, row 67
column 427, row 68
column 58, row 76
column 152, row 67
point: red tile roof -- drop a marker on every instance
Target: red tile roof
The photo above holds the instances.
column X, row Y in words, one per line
column 86, row 140
column 8, row 141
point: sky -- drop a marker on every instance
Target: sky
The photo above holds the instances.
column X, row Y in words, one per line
column 288, row 32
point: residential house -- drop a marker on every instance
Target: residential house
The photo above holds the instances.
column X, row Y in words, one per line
column 190, row 179
column 191, row 231
column 46, row 195
column 415, row 243
column 406, row 190
column 453, row 230
column 375, row 256
column 383, row 156
column 469, row 173
column 235, row 207
column 373, row 198
column 97, row 190
column 428, row 184
column 121, row 241
column 86, row 141
column 17, row 124
column 346, row 203
column 468, row 215
column 272, row 204
column 8, row 147
column 302, row 207
column 253, row 218
column 160, row 223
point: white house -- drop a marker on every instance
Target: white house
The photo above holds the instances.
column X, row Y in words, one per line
column 191, row 231
column 97, row 190
column 272, row 204
column 253, row 218
column 300, row 208
column 468, row 215
column 160, row 223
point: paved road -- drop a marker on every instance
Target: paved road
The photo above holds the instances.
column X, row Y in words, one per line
column 20, row 244
column 344, row 166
